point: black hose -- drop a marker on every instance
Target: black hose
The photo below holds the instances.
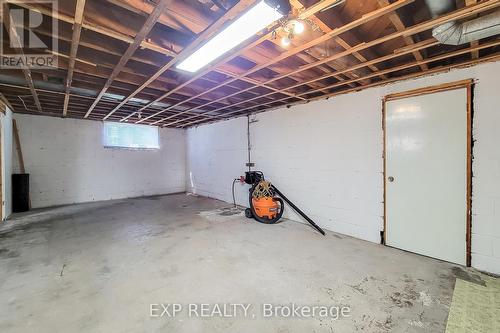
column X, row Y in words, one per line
column 311, row 222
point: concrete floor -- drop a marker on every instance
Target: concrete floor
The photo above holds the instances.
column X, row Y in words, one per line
column 98, row 268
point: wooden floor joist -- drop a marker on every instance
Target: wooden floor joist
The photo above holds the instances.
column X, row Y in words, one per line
column 18, row 49
column 326, row 29
column 257, row 41
column 139, row 38
column 77, row 29
column 474, row 54
column 361, row 65
column 399, row 25
column 461, row 13
column 233, row 12
column 397, row 68
column 116, row 59
column 254, row 109
column 335, row 32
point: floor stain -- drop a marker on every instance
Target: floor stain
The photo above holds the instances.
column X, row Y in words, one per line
column 469, row 277
column 8, row 254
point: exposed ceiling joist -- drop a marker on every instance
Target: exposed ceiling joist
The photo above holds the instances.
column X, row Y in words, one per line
column 326, row 29
column 15, row 40
column 333, row 33
column 319, row 6
column 232, row 13
column 399, row 25
column 474, row 54
column 139, row 38
column 77, row 29
column 349, row 47
column 493, row 57
column 458, row 14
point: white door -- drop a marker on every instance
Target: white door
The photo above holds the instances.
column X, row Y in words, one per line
column 426, row 174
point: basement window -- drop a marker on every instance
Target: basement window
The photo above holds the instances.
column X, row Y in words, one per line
column 119, row 135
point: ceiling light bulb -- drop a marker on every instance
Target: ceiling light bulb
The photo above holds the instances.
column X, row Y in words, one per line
column 285, row 41
column 298, row 27
column 254, row 20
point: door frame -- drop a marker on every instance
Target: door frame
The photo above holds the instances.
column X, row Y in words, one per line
column 468, row 84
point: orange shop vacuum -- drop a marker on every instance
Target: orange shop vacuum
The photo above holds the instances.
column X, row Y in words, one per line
column 267, row 203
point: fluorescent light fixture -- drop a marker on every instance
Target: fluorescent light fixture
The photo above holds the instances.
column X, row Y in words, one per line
column 247, row 25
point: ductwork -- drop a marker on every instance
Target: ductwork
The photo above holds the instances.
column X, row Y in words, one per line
column 457, row 33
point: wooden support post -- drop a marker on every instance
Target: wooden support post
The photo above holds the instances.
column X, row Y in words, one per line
column 18, row 146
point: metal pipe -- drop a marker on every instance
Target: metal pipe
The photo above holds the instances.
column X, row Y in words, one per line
column 458, row 33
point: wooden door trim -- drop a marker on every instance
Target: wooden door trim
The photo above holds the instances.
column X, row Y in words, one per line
column 430, row 90
column 468, row 85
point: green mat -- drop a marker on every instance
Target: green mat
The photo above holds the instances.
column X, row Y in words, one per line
column 474, row 308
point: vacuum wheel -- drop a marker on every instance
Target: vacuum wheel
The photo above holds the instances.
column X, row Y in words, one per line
column 248, row 213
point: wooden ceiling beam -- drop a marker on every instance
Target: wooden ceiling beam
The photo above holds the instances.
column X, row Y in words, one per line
column 326, row 29
column 77, row 29
column 474, row 54
column 386, row 71
column 18, row 49
column 207, row 33
column 106, row 49
column 171, row 17
column 306, row 57
column 493, row 57
column 351, row 68
column 399, row 25
column 254, row 82
column 302, row 14
column 76, row 96
column 416, row 47
column 247, row 46
column 93, row 69
column 313, row 82
column 419, row 62
column 335, row 32
column 455, row 15
column 98, row 29
column 139, row 38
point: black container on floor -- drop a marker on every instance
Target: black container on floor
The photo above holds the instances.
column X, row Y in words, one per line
column 20, row 192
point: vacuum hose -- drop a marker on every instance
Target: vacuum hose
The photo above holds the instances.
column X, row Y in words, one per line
column 270, row 191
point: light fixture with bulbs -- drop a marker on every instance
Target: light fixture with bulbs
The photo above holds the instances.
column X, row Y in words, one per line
column 255, row 19
column 291, row 28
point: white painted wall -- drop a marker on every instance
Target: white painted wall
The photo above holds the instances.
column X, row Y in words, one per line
column 327, row 157
column 6, row 142
column 68, row 164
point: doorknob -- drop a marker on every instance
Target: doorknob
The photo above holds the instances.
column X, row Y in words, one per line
column 390, row 179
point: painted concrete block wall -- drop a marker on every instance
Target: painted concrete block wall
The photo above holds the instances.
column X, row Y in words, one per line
column 6, row 121
column 216, row 154
column 327, row 157
column 68, row 163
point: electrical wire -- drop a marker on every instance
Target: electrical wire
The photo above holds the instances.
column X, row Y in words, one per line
column 23, row 103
